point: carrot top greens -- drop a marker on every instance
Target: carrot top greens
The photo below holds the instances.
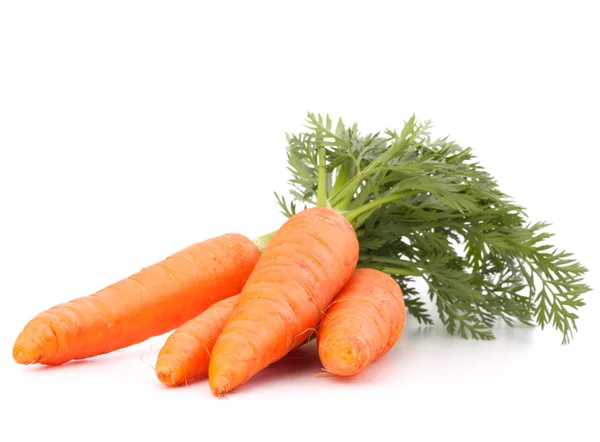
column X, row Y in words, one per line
column 425, row 208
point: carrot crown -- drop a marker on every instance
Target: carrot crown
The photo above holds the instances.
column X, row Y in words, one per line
column 424, row 207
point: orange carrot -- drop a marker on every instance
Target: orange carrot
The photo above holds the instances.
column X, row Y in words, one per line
column 363, row 322
column 186, row 353
column 151, row 302
column 308, row 260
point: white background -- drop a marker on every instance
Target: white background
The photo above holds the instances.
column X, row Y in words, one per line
column 129, row 130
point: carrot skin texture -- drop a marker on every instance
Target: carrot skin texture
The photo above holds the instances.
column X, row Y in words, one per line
column 303, row 267
column 153, row 301
column 186, row 353
column 364, row 322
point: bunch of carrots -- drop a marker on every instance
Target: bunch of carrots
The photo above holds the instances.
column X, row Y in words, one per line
column 338, row 271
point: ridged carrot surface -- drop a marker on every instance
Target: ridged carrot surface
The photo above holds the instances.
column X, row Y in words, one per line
column 305, row 264
column 151, row 302
column 363, row 323
column 186, row 353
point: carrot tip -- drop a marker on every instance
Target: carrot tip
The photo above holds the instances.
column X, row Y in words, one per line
column 166, row 376
column 20, row 358
column 341, row 357
column 219, row 386
column 26, row 354
column 170, row 370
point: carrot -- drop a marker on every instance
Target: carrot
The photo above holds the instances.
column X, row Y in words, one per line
column 151, row 302
column 363, row 323
column 308, row 260
column 186, row 353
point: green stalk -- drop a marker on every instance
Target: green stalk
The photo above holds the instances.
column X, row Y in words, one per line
column 340, row 182
column 341, row 179
column 354, row 214
column 361, row 199
column 346, row 192
column 322, row 186
column 352, row 186
column 262, row 241
column 387, row 260
column 399, row 271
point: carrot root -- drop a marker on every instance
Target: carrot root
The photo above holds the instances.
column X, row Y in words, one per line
column 151, row 302
column 186, row 353
column 363, row 323
column 305, row 264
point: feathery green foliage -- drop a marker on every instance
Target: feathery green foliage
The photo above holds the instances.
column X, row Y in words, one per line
column 426, row 208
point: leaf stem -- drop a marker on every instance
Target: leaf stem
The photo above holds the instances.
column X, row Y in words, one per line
column 348, row 190
column 387, row 260
column 340, row 182
column 322, row 185
column 262, row 241
column 352, row 215
column 399, row 271
column 352, row 186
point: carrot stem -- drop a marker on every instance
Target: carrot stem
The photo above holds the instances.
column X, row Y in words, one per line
column 347, row 191
column 262, row 241
column 399, row 271
column 340, row 181
column 352, row 215
column 322, row 186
